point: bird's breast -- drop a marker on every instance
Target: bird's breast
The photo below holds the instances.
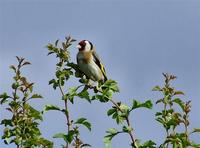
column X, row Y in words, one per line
column 85, row 57
column 89, row 67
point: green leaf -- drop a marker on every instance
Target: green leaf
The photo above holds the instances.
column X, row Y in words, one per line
column 13, row 68
column 111, row 85
column 44, row 143
column 84, row 122
column 56, row 42
column 7, row 122
column 148, row 144
column 158, row 114
column 71, row 94
column 15, row 105
column 7, row 140
column 50, row 107
column 179, row 102
column 156, row 88
column 15, row 85
column 74, row 66
column 33, row 113
column 159, row 101
column 161, row 120
column 70, row 136
column 112, row 131
column 107, row 93
column 34, row 96
column 194, row 145
column 61, row 135
column 196, row 130
column 26, row 63
column 107, row 139
column 101, row 98
column 54, row 83
column 84, row 94
column 85, row 145
column 3, row 98
column 179, row 93
column 136, row 104
column 111, row 111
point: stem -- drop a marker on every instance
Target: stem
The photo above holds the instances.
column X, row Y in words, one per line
column 167, row 131
column 66, row 106
column 66, row 114
column 131, row 134
column 186, row 128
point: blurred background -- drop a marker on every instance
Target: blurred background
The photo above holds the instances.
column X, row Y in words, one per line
column 137, row 40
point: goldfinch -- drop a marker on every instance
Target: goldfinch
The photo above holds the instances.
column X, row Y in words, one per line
column 89, row 62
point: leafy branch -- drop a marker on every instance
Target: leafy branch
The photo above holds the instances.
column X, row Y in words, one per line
column 171, row 119
column 65, row 71
column 22, row 128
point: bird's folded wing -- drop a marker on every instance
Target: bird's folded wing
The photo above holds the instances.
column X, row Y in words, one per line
column 98, row 62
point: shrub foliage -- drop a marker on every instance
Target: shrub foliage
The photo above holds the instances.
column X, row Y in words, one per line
column 22, row 126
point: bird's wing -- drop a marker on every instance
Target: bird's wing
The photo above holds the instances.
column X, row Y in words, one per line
column 98, row 62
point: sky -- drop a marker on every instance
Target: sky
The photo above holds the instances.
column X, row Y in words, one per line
column 137, row 40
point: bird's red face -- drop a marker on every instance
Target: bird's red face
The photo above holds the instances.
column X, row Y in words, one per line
column 81, row 45
column 84, row 45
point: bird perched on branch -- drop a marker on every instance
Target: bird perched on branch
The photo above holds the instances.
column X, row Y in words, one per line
column 89, row 62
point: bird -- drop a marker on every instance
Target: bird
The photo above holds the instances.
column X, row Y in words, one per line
column 89, row 62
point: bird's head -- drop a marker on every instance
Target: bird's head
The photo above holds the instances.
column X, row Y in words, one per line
column 84, row 45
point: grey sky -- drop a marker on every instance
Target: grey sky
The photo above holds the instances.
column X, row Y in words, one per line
column 137, row 40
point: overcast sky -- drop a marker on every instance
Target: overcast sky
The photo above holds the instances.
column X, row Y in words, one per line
column 137, row 40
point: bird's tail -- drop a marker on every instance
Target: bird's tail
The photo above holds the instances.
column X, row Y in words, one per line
column 105, row 78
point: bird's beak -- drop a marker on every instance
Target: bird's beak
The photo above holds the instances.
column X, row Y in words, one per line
column 78, row 46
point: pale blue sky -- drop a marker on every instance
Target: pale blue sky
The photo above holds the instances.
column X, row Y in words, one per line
column 137, row 40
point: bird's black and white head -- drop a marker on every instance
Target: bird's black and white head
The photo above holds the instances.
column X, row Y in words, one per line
column 84, row 46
